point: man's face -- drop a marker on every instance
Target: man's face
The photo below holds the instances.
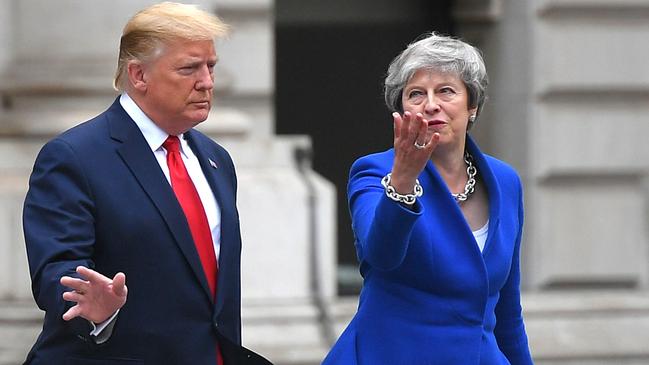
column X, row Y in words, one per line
column 177, row 89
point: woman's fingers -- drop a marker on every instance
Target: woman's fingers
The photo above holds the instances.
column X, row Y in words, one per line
column 406, row 126
column 413, row 127
column 421, row 139
column 432, row 142
column 398, row 121
column 411, row 133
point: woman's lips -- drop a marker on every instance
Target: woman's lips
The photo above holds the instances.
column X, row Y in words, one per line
column 435, row 122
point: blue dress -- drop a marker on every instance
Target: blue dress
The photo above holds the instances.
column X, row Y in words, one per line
column 429, row 295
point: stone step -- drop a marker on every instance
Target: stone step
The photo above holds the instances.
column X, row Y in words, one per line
column 564, row 328
column 588, row 327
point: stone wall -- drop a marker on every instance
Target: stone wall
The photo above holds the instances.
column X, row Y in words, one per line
column 569, row 95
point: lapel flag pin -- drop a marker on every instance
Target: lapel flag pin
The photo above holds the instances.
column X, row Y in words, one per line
column 213, row 164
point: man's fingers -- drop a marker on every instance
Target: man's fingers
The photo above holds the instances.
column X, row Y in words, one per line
column 90, row 275
column 72, row 313
column 72, row 296
column 119, row 284
column 73, row 283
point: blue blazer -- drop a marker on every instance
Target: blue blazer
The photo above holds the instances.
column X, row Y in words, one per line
column 97, row 197
column 429, row 295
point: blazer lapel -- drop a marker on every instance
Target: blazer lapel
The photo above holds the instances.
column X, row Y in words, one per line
column 216, row 172
column 493, row 191
column 446, row 203
column 137, row 155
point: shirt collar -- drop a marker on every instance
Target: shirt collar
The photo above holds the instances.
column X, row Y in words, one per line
column 153, row 134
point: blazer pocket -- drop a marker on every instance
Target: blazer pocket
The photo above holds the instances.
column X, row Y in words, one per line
column 107, row 361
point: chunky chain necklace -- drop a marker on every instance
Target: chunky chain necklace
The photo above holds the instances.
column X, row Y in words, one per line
column 469, row 188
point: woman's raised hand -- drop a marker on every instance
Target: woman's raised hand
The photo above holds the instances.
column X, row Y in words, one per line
column 413, row 145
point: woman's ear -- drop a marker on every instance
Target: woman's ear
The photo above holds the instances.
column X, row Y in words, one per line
column 136, row 75
column 472, row 116
column 473, row 112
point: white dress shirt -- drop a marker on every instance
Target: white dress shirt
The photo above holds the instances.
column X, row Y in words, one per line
column 155, row 137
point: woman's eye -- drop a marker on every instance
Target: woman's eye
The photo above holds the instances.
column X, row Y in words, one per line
column 447, row 93
column 415, row 93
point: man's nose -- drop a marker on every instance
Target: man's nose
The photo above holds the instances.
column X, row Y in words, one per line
column 205, row 79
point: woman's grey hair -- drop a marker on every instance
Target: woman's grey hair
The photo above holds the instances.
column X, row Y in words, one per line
column 440, row 54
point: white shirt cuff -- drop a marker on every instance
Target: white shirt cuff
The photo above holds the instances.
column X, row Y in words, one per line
column 98, row 329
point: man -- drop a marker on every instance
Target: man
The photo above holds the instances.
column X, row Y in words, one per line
column 136, row 193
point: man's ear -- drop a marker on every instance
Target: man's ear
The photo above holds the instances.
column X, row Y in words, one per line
column 136, row 75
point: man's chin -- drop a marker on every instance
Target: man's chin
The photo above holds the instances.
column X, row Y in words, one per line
column 199, row 117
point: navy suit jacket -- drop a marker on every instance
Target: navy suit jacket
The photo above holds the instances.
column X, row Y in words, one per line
column 97, row 197
column 429, row 296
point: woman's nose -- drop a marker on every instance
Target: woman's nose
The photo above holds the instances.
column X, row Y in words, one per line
column 432, row 105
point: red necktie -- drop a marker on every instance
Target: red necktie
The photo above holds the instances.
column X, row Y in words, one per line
column 191, row 203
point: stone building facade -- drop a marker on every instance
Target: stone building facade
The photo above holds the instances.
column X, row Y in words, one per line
column 569, row 99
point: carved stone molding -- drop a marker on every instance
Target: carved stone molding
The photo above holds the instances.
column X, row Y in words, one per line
column 480, row 11
column 628, row 9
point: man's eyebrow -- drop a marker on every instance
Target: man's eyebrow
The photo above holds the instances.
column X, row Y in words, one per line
column 192, row 61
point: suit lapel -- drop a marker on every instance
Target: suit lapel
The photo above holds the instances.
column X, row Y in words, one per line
column 216, row 172
column 137, row 155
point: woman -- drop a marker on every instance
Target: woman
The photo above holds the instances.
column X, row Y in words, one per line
column 438, row 225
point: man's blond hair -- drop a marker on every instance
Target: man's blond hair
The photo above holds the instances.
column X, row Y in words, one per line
column 149, row 29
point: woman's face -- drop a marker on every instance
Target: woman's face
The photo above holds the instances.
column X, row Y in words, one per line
column 443, row 100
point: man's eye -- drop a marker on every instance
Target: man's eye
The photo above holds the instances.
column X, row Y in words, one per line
column 186, row 69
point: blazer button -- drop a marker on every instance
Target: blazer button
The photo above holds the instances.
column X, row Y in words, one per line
column 216, row 326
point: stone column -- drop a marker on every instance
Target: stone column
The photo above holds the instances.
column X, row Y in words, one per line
column 568, row 99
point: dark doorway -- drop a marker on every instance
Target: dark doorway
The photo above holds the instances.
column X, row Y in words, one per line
column 331, row 58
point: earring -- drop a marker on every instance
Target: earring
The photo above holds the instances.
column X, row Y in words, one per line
column 472, row 118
